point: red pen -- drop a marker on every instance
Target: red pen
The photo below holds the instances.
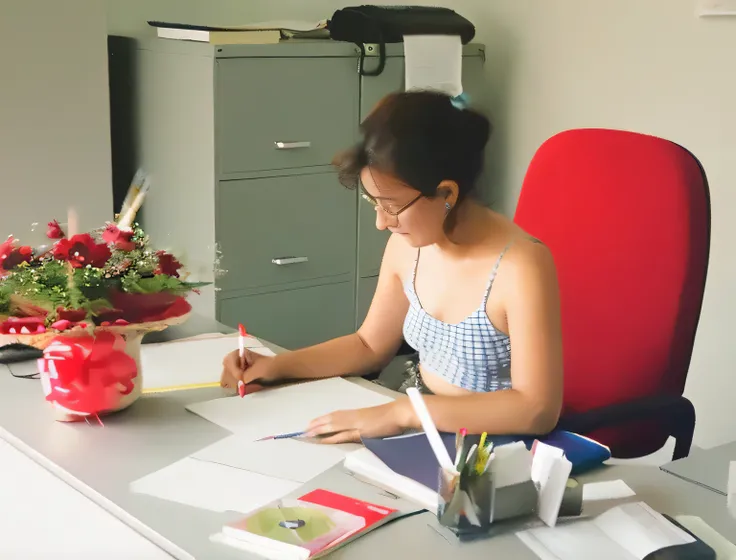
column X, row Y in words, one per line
column 243, row 363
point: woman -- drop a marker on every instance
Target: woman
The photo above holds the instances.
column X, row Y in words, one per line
column 465, row 287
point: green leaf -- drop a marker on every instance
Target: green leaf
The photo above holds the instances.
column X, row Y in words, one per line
column 4, row 299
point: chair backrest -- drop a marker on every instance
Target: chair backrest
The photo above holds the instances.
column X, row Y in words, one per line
column 627, row 219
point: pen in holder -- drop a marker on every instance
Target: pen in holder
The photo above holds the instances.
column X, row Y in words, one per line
column 466, row 499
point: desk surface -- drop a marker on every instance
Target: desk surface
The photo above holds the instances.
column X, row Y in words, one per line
column 705, row 467
column 157, row 430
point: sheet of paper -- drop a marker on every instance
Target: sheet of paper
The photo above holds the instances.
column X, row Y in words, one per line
column 724, row 549
column 626, row 532
column 606, row 490
column 512, row 465
column 298, row 461
column 572, row 541
column 285, row 409
column 552, row 489
column 212, row 487
column 640, row 529
column 544, row 459
column 191, row 362
column 434, row 62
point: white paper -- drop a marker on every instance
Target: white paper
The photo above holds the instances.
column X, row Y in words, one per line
column 213, row 487
column 640, row 529
column 289, row 459
column 434, row 62
column 191, row 362
column 606, row 490
column 512, row 464
column 552, row 489
column 544, row 459
column 580, row 540
column 286, row 409
column 626, row 532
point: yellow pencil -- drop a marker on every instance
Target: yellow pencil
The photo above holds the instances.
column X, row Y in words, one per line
column 180, row 387
column 482, row 453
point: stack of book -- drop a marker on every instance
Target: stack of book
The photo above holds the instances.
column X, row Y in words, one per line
column 250, row 34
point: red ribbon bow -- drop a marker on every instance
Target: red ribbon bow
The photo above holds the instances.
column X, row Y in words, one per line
column 87, row 375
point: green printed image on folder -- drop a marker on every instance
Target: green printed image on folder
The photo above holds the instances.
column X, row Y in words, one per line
column 304, row 528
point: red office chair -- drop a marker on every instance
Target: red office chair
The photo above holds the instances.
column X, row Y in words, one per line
column 627, row 219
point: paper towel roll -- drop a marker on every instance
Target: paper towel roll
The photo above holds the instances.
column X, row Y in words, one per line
column 434, row 62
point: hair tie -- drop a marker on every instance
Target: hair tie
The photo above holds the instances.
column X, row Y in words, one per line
column 460, row 101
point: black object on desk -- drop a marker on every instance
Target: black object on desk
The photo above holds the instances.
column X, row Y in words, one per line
column 16, row 352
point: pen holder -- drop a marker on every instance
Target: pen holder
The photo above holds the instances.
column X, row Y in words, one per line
column 466, row 502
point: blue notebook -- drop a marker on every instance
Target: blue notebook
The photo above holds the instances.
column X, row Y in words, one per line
column 412, row 456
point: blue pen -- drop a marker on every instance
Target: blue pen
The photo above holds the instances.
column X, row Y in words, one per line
column 284, row 436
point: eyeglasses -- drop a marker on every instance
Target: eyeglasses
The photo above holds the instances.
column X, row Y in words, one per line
column 391, row 210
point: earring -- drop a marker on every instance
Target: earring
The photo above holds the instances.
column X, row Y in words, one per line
column 448, row 207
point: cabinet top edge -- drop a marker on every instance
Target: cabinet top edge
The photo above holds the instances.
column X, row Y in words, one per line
column 293, row 48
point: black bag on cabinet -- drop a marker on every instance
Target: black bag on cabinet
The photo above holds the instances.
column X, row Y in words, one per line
column 388, row 24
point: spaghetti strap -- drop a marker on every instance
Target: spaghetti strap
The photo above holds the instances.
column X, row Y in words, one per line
column 414, row 270
column 493, row 274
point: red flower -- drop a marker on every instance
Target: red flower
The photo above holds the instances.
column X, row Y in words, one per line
column 121, row 238
column 54, row 230
column 87, row 374
column 81, row 250
column 167, row 264
column 72, row 315
column 11, row 256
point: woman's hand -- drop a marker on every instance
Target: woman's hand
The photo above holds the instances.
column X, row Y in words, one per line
column 348, row 426
column 256, row 368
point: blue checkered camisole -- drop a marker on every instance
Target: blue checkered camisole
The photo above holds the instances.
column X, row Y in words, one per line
column 471, row 354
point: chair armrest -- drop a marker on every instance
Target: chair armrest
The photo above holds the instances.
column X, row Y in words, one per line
column 659, row 406
column 675, row 412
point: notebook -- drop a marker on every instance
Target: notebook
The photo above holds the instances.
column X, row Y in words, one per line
column 630, row 531
column 265, row 37
column 268, row 32
column 311, row 526
column 407, row 466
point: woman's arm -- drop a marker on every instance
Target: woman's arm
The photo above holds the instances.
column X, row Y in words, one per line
column 533, row 404
column 369, row 349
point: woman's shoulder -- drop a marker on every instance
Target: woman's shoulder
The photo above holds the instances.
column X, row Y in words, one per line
column 528, row 259
column 398, row 255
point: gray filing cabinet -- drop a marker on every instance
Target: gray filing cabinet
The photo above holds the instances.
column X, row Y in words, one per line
column 238, row 139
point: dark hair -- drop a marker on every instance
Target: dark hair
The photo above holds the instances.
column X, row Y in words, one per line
column 421, row 138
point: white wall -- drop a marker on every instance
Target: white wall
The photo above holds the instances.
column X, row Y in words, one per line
column 54, row 116
column 649, row 66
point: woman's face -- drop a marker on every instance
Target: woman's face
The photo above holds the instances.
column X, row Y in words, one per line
column 404, row 210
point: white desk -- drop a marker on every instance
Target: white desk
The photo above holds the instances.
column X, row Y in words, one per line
column 43, row 517
column 157, row 431
column 705, row 467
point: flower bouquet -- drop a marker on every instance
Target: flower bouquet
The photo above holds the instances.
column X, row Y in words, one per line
column 87, row 300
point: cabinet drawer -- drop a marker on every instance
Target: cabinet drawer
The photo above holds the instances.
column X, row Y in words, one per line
column 280, row 113
column 279, row 230
column 294, row 318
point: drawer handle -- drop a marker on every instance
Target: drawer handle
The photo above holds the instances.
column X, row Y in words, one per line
column 292, row 145
column 282, row 261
